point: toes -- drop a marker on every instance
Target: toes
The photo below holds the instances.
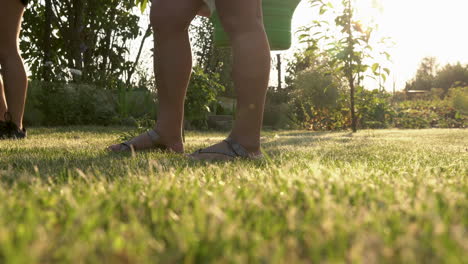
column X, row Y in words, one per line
column 114, row 148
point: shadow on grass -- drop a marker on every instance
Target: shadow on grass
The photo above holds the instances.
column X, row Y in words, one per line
column 60, row 166
column 61, row 163
column 302, row 139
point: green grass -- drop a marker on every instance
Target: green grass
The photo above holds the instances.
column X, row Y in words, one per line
column 389, row 196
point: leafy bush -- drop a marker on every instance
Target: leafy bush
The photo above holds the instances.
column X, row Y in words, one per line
column 316, row 101
column 459, row 99
column 373, row 109
column 427, row 114
column 315, row 89
column 80, row 104
column 201, row 98
column 279, row 116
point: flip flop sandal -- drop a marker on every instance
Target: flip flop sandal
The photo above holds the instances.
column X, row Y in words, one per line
column 234, row 151
column 154, row 136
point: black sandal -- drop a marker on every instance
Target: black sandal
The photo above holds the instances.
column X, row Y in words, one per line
column 3, row 130
column 154, row 136
column 9, row 130
column 234, row 151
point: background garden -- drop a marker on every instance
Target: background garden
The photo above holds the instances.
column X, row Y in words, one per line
column 393, row 192
column 84, row 70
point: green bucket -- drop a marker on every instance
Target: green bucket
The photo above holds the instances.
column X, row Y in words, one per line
column 277, row 17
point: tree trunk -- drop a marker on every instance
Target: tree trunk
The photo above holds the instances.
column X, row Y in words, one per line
column 353, row 112
column 46, row 74
column 76, row 29
column 278, row 56
column 132, row 71
column 350, row 72
column 107, row 48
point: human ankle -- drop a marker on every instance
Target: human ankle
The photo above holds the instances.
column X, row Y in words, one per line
column 252, row 146
column 170, row 140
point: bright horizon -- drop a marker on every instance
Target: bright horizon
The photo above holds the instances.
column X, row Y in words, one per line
column 419, row 28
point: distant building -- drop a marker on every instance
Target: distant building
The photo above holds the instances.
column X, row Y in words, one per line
column 416, row 94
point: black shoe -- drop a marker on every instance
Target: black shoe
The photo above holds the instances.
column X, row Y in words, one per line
column 19, row 133
column 3, row 131
column 9, row 130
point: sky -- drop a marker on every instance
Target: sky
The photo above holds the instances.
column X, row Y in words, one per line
column 418, row 28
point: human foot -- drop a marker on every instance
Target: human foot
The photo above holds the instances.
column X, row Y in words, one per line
column 225, row 151
column 9, row 130
column 151, row 140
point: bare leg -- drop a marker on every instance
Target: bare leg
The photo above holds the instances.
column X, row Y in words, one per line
column 13, row 94
column 242, row 20
column 173, row 66
column 3, row 104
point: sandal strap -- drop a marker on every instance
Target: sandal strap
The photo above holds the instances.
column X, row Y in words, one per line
column 222, row 152
column 154, row 136
column 235, row 150
column 125, row 146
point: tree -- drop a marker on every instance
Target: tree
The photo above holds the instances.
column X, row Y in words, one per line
column 350, row 49
column 90, row 37
column 425, row 75
column 450, row 76
column 429, row 76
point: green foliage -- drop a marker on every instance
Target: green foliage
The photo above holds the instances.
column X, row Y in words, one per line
column 430, row 76
column 308, row 58
column 387, row 196
column 315, row 88
column 202, row 39
column 201, row 97
column 142, row 4
column 459, row 99
column 350, row 51
column 79, row 104
column 90, row 37
column 279, row 113
column 214, row 61
column 428, row 114
column 315, row 95
column 75, row 104
column 280, row 116
column 374, row 109
column 425, row 75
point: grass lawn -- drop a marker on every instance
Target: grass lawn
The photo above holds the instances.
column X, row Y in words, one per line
column 378, row 196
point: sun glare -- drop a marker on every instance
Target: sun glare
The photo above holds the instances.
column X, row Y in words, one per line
column 419, row 28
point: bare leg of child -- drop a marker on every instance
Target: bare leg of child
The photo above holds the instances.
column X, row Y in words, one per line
column 242, row 20
column 173, row 66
